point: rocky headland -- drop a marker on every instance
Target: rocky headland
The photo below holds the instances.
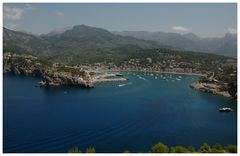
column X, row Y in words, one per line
column 211, row 88
column 53, row 75
column 214, row 86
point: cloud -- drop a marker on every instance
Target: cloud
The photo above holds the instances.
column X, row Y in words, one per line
column 13, row 13
column 232, row 30
column 59, row 13
column 180, row 29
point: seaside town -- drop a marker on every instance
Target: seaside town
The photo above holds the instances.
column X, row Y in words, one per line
column 56, row 74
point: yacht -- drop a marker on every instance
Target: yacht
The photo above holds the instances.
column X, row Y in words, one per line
column 225, row 109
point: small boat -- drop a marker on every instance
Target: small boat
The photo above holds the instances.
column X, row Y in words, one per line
column 178, row 79
column 225, row 109
column 119, row 74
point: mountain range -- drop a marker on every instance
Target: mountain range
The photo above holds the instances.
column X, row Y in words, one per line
column 226, row 45
column 84, row 44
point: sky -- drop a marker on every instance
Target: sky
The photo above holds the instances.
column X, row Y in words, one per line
column 203, row 19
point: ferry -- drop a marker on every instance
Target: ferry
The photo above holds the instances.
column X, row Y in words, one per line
column 225, row 109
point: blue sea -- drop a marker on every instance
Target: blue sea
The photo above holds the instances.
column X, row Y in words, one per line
column 114, row 117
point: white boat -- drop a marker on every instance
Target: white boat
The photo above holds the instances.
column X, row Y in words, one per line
column 225, row 109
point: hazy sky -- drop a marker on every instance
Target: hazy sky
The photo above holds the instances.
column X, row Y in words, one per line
column 206, row 20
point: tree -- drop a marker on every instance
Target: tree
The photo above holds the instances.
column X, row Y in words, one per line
column 178, row 149
column 74, row 150
column 217, row 148
column 160, row 148
column 173, row 150
column 90, row 150
column 191, row 149
column 205, row 148
column 231, row 148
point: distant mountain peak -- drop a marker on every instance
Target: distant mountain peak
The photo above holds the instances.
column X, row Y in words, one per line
column 192, row 36
column 59, row 31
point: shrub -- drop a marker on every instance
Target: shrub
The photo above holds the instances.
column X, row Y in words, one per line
column 74, row 150
column 231, row 148
column 160, row 148
column 191, row 149
column 217, row 148
column 90, row 150
column 179, row 149
column 205, row 148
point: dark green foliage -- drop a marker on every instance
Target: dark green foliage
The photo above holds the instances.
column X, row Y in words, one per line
column 74, row 150
column 191, row 149
column 232, row 89
column 90, row 150
column 231, row 148
column 160, row 148
column 179, row 149
column 205, row 148
column 217, row 148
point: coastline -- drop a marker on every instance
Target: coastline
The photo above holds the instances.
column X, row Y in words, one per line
column 160, row 72
column 210, row 88
column 196, row 85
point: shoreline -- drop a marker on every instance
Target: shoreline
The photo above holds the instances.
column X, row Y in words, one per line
column 209, row 88
column 160, row 72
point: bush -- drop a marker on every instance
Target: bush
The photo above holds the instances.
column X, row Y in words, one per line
column 178, row 149
column 217, row 148
column 205, row 148
column 90, row 150
column 74, row 150
column 231, row 148
column 160, row 148
column 191, row 149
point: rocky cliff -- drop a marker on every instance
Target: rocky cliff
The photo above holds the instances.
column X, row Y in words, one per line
column 53, row 79
column 52, row 76
column 211, row 85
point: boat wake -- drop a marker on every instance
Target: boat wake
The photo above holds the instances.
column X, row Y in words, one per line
column 122, row 85
column 142, row 78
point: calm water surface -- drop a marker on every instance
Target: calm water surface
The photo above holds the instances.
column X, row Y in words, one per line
column 114, row 117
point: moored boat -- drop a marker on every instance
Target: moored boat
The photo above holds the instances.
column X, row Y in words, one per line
column 225, row 109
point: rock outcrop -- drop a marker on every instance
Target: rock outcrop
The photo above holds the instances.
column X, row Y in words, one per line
column 65, row 79
column 218, row 89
